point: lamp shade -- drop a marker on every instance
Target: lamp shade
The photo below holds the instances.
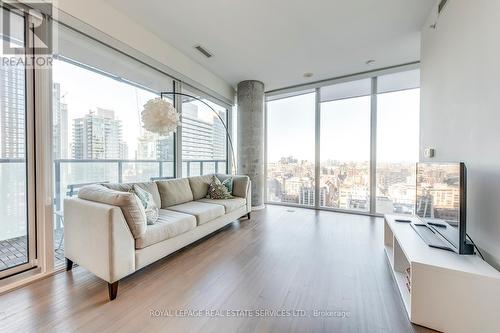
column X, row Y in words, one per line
column 160, row 116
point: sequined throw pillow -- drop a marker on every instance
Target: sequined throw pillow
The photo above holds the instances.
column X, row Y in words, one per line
column 218, row 191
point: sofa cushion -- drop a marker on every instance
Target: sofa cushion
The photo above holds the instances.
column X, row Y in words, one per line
column 150, row 187
column 129, row 203
column 229, row 204
column 169, row 224
column 174, row 192
column 199, row 186
column 204, row 212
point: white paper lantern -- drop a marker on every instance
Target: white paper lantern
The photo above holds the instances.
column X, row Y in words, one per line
column 160, row 116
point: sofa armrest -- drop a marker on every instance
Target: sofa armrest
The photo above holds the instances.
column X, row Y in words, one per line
column 249, row 196
column 97, row 237
column 242, row 188
column 241, row 184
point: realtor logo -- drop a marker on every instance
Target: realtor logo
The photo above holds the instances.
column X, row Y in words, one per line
column 27, row 33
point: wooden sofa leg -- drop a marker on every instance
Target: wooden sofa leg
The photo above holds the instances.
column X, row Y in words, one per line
column 112, row 290
column 248, row 215
column 69, row 264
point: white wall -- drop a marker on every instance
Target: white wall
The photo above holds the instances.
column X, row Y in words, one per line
column 460, row 101
column 102, row 16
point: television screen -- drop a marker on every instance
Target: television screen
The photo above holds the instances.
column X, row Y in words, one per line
column 441, row 199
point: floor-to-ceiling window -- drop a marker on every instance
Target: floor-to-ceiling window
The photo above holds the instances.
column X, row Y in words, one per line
column 98, row 136
column 364, row 155
column 345, row 145
column 204, row 141
column 290, row 149
column 398, row 109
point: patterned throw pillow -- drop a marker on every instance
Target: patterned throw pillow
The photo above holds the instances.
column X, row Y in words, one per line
column 218, row 191
column 147, row 201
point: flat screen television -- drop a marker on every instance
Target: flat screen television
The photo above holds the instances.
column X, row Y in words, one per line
column 441, row 201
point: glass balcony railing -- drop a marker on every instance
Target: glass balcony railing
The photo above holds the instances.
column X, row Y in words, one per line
column 69, row 176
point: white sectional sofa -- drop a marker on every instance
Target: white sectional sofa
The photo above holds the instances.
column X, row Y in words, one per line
column 105, row 233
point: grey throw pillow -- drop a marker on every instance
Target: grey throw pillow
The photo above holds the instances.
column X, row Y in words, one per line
column 148, row 203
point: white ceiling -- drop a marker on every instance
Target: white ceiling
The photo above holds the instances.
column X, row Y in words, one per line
column 277, row 41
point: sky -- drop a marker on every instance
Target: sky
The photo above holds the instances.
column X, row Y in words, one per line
column 345, row 128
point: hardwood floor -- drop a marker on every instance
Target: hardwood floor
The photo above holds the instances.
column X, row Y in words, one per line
column 282, row 259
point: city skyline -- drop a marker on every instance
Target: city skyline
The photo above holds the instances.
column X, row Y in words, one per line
column 343, row 185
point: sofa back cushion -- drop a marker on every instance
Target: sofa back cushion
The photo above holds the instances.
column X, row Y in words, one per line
column 131, row 206
column 174, row 192
column 199, row 186
column 150, row 187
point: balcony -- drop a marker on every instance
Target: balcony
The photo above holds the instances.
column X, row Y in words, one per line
column 69, row 176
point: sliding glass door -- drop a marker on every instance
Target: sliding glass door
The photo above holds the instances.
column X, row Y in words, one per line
column 17, row 220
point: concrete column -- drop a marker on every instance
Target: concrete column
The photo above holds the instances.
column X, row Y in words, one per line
column 251, row 137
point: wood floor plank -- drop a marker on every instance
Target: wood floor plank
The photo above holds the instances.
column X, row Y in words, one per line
column 282, row 259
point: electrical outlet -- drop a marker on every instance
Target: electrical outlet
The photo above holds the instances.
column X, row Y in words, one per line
column 429, row 152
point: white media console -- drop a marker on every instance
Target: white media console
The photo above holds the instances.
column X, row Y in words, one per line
column 448, row 292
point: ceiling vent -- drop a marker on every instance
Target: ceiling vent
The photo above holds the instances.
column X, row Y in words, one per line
column 203, row 51
column 442, row 3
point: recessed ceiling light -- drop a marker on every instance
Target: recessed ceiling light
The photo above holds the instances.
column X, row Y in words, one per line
column 308, row 74
column 370, row 62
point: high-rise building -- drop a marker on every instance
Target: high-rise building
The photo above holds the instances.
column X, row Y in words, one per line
column 219, row 138
column 13, row 112
column 56, row 121
column 306, row 196
column 197, row 138
column 165, row 149
column 64, row 130
column 152, row 146
column 201, row 140
column 146, row 146
column 59, row 124
column 98, row 135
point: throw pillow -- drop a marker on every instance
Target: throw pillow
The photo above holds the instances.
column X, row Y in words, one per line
column 148, row 203
column 218, row 191
column 228, row 183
